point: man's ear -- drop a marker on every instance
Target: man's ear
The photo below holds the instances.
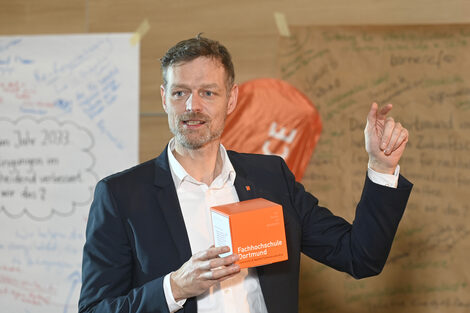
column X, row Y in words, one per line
column 162, row 93
column 232, row 101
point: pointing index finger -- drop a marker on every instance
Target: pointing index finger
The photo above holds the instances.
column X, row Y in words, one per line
column 372, row 113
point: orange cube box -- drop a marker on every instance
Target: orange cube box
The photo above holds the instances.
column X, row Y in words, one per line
column 253, row 229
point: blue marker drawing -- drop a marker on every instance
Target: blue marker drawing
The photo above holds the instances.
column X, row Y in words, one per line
column 102, row 127
column 23, row 61
column 32, row 111
column 6, row 70
column 64, row 105
column 39, row 77
column 5, row 61
column 75, row 279
column 99, row 50
column 12, row 43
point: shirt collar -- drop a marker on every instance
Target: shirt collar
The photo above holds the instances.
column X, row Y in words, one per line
column 179, row 174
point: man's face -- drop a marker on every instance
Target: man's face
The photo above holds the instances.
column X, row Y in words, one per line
column 197, row 101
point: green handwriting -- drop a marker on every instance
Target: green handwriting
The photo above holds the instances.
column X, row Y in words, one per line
column 382, row 79
column 425, row 265
column 347, row 94
column 463, row 105
column 300, row 62
column 432, row 82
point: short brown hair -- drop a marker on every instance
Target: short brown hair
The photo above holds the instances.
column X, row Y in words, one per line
column 190, row 49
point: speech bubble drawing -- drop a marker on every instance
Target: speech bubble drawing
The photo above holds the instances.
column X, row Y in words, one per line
column 46, row 167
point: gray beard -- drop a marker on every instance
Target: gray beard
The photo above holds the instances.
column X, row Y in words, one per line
column 195, row 143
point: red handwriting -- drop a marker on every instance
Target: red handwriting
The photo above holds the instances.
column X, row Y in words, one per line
column 19, row 90
column 7, row 268
column 27, row 286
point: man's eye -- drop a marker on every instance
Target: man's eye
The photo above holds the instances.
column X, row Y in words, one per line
column 178, row 93
column 208, row 93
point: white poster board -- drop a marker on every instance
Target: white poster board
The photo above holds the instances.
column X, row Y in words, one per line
column 69, row 112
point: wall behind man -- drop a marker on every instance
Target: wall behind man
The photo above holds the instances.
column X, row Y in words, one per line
column 246, row 27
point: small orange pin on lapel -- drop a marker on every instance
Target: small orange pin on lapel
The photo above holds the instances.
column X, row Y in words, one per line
column 247, row 188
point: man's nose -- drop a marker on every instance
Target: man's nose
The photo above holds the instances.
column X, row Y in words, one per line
column 193, row 103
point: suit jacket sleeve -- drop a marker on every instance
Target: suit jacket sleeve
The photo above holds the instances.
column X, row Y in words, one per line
column 107, row 264
column 360, row 249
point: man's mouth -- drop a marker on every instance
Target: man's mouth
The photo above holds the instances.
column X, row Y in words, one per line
column 193, row 122
column 193, row 119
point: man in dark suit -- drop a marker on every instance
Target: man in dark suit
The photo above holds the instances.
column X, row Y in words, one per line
column 148, row 241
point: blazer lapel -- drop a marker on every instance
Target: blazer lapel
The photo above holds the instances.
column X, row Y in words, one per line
column 245, row 188
column 169, row 204
column 268, row 275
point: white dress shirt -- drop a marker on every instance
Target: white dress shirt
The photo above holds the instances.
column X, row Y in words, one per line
column 241, row 293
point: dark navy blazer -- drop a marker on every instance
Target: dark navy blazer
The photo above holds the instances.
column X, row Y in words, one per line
column 136, row 234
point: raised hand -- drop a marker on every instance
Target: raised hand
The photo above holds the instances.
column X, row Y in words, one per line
column 385, row 139
column 202, row 271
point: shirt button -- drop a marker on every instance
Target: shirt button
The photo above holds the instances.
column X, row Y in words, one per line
column 228, row 291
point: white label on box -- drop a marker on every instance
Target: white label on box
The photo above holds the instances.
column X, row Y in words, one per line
column 221, row 229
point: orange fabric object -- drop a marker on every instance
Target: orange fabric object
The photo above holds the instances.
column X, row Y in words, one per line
column 273, row 117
